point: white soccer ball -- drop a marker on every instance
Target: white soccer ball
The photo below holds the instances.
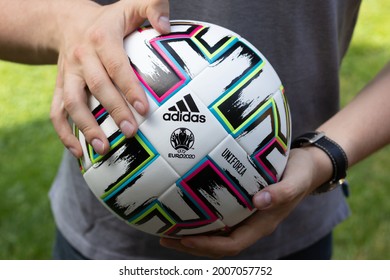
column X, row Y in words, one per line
column 217, row 132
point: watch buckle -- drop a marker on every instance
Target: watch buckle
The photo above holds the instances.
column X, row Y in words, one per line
column 316, row 137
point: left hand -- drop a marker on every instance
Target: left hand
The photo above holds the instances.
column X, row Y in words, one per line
column 91, row 54
column 274, row 204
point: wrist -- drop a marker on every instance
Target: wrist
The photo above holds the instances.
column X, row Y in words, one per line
column 66, row 20
column 322, row 168
column 329, row 160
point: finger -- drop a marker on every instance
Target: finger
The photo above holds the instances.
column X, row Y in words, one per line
column 102, row 87
column 221, row 246
column 158, row 15
column 121, row 73
column 257, row 226
column 59, row 116
column 75, row 103
column 175, row 244
column 136, row 12
column 276, row 195
column 61, row 125
column 290, row 189
column 214, row 246
column 245, row 235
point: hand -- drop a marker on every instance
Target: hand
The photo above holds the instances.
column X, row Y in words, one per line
column 274, row 204
column 91, row 55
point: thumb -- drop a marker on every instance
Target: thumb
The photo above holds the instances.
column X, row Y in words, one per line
column 262, row 199
column 275, row 195
column 286, row 192
column 158, row 15
column 136, row 12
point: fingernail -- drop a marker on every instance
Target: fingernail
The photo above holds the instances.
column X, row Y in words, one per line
column 127, row 128
column 139, row 107
column 98, row 146
column 262, row 200
column 164, row 23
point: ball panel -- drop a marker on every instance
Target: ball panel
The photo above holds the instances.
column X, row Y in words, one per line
column 177, row 129
column 184, row 53
column 238, row 167
column 182, row 207
column 177, row 57
column 153, row 219
column 226, row 73
column 187, row 212
column 151, row 68
column 216, row 194
column 264, row 136
column 119, row 165
column 239, row 107
column 262, row 130
column 214, row 41
column 140, row 191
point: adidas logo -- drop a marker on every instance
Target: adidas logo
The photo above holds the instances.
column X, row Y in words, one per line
column 185, row 110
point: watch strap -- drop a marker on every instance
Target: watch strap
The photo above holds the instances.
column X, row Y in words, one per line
column 334, row 151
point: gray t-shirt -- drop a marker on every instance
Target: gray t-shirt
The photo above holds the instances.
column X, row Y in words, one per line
column 305, row 42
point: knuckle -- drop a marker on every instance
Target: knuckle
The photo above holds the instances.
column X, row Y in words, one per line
column 113, row 67
column 97, row 36
column 79, row 52
column 88, row 132
column 54, row 115
column 133, row 90
column 65, row 138
column 95, row 83
column 128, row 92
column 287, row 195
column 70, row 104
column 117, row 111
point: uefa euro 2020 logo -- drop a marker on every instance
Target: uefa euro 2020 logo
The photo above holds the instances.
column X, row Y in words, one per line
column 182, row 139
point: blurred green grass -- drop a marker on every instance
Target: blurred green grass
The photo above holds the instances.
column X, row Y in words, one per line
column 366, row 234
column 30, row 154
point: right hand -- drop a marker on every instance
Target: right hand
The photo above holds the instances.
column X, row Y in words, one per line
column 91, row 54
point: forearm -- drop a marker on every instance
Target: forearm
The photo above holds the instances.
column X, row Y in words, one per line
column 30, row 29
column 363, row 126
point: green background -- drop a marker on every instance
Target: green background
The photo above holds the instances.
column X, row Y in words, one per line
column 30, row 153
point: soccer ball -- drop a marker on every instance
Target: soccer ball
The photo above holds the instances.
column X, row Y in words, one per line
column 217, row 132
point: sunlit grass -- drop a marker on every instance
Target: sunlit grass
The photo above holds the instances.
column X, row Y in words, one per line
column 30, row 154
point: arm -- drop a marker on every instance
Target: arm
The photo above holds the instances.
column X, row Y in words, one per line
column 87, row 40
column 25, row 35
column 363, row 120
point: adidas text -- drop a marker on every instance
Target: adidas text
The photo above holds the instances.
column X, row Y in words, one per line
column 184, row 117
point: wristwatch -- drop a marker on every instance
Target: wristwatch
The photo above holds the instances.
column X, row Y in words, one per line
column 333, row 150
